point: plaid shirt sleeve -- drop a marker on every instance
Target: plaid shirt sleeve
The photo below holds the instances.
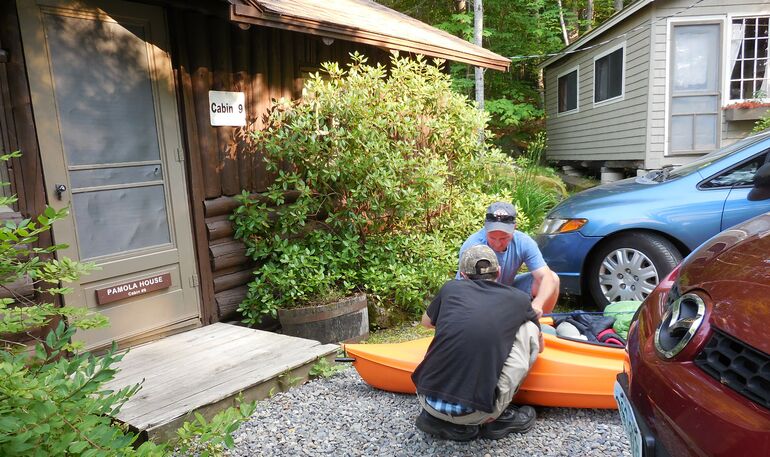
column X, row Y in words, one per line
column 451, row 409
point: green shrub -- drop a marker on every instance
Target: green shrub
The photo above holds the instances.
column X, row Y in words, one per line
column 212, row 438
column 390, row 179
column 52, row 399
column 761, row 124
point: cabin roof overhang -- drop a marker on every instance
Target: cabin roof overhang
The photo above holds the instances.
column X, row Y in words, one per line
column 363, row 21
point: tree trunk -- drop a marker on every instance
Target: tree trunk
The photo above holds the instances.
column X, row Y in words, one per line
column 563, row 25
column 589, row 14
column 478, row 28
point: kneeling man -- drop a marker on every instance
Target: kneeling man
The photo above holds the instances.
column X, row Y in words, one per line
column 487, row 337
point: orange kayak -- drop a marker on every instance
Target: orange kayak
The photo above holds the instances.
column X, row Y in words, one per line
column 567, row 373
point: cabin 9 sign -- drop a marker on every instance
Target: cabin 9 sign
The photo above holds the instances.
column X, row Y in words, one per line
column 227, row 108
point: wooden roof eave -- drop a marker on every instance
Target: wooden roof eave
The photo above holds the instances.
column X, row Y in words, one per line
column 251, row 15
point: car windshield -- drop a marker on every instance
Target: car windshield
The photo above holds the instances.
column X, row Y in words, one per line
column 668, row 173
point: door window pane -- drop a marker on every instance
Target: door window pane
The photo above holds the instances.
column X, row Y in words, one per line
column 696, row 58
column 608, row 76
column 114, row 221
column 705, row 132
column 115, row 175
column 681, row 133
column 692, row 105
column 103, row 91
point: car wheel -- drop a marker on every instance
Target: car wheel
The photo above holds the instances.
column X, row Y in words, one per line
column 629, row 266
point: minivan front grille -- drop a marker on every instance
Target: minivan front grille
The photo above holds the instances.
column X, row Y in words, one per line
column 738, row 366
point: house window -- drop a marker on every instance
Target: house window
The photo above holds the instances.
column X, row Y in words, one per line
column 568, row 91
column 608, row 76
column 694, row 88
column 749, row 57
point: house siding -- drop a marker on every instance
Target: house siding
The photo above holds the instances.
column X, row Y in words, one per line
column 612, row 131
column 708, row 10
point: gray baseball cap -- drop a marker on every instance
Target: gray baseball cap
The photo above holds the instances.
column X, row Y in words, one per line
column 500, row 216
column 471, row 257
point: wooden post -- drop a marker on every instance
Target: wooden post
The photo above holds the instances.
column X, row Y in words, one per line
column 200, row 67
column 287, row 64
column 261, row 88
column 274, row 65
column 209, row 313
column 223, row 80
column 242, row 83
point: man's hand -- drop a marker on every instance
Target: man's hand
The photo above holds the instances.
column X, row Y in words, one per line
column 538, row 312
column 426, row 322
column 541, row 340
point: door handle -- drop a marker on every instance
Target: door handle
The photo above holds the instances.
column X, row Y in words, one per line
column 59, row 189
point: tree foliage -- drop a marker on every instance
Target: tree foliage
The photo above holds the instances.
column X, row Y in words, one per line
column 512, row 28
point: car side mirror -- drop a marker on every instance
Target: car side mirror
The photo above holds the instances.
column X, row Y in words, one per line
column 761, row 189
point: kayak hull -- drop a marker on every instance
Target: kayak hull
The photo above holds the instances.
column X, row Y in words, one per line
column 567, row 373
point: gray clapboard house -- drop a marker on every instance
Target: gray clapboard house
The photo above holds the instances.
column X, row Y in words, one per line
column 654, row 84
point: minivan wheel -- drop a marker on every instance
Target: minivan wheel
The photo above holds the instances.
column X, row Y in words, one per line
column 629, row 266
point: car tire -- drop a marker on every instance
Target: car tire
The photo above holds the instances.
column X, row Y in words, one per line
column 629, row 266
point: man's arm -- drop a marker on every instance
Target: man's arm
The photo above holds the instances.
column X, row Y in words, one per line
column 547, row 288
column 426, row 322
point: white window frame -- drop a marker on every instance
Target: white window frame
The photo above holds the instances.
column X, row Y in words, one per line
column 727, row 70
column 670, row 23
column 622, row 95
column 577, row 91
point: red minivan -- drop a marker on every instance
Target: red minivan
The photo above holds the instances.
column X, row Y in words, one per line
column 697, row 381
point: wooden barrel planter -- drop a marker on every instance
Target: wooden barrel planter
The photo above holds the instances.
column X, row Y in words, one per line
column 345, row 320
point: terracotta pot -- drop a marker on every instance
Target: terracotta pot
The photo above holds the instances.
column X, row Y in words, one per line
column 345, row 320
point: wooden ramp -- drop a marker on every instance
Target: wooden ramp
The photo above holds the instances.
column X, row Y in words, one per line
column 205, row 369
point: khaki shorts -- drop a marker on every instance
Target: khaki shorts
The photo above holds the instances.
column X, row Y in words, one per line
column 523, row 354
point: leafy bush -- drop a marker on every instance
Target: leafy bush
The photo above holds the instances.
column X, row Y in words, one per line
column 761, row 124
column 212, row 438
column 389, row 179
column 52, row 399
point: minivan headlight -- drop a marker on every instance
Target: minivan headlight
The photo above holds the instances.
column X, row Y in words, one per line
column 561, row 225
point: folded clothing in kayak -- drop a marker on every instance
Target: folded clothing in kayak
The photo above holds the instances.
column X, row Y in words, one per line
column 623, row 312
column 589, row 327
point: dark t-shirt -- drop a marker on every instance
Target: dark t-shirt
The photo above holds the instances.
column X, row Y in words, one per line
column 476, row 323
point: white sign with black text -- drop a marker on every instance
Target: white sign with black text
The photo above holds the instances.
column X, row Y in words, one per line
column 227, row 108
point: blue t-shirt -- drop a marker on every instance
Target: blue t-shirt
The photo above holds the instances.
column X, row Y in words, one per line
column 521, row 250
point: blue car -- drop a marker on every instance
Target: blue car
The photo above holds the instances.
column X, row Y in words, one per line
column 617, row 241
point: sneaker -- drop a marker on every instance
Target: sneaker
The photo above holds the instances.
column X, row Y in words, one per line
column 445, row 430
column 515, row 419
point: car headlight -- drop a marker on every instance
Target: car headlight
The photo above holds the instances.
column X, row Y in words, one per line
column 561, row 225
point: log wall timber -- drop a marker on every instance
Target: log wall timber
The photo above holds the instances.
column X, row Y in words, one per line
column 210, row 53
column 18, row 133
column 25, row 173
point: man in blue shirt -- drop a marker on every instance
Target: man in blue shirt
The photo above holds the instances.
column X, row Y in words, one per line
column 514, row 248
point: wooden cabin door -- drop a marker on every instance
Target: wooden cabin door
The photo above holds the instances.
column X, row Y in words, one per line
column 107, row 122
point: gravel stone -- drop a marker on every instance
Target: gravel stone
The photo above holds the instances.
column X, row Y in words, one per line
column 342, row 416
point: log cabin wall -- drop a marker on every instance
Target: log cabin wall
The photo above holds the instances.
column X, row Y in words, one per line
column 24, row 174
column 210, row 53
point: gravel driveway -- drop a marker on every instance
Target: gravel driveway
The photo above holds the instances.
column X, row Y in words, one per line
column 342, row 416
